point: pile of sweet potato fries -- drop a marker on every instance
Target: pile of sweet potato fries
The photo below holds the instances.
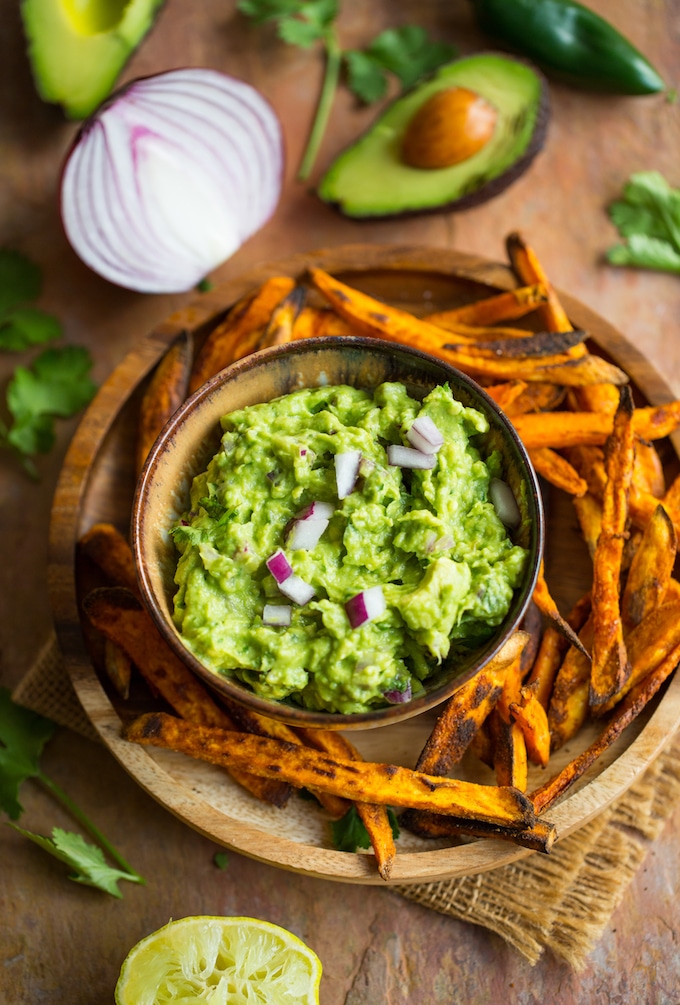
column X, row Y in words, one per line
column 601, row 663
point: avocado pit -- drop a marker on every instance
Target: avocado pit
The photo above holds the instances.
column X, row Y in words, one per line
column 450, row 127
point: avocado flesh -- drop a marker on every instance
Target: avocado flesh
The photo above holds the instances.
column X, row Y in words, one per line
column 77, row 48
column 370, row 179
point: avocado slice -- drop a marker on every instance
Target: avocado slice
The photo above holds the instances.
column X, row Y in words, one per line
column 77, row 48
column 371, row 179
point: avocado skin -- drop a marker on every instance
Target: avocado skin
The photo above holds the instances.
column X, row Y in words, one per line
column 76, row 65
column 486, row 191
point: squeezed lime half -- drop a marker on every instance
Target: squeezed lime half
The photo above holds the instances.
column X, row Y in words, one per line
column 220, row 961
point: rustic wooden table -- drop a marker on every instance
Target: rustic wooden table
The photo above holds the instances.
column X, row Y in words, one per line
column 62, row 942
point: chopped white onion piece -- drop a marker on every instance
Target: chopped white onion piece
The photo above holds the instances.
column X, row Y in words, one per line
column 346, row 471
column 424, row 435
column 296, row 589
column 317, row 511
column 409, row 457
column 279, row 566
column 169, row 177
column 305, row 534
column 365, row 606
column 277, row 614
column 504, row 503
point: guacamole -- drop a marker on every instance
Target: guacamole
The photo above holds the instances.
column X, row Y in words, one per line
column 415, row 558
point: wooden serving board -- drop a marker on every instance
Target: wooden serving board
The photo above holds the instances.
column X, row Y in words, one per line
column 97, row 484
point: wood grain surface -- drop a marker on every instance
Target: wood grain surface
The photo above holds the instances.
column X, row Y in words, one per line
column 61, row 942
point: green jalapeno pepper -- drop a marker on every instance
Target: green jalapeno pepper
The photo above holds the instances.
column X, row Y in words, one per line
column 572, row 42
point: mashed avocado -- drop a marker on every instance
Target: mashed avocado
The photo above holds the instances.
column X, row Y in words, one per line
column 430, row 539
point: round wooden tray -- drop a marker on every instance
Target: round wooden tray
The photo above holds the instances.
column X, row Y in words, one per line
column 97, row 483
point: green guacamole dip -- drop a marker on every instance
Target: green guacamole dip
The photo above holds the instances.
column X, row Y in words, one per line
column 430, row 538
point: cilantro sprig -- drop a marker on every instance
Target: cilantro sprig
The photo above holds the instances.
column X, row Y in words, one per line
column 23, row 735
column 349, row 832
column 648, row 218
column 406, row 53
column 56, row 385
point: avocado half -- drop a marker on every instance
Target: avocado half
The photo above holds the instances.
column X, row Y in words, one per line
column 370, row 179
column 77, row 48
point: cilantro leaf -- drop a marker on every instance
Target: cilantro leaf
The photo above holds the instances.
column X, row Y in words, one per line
column 221, row 859
column 26, row 326
column 267, row 10
column 310, row 23
column 349, row 832
column 408, row 53
column 366, row 78
column 19, row 280
column 23, row 734
column 91, row 868
column 648, row 216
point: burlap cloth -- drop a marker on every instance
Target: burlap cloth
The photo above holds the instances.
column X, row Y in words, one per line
column 561, row 902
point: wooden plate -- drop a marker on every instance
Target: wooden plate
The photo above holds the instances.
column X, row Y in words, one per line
column 97, row 483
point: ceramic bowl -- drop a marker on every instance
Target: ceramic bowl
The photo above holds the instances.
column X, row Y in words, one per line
column 192, row 437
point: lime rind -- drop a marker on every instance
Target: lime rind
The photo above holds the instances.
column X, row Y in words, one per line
column 220, row 961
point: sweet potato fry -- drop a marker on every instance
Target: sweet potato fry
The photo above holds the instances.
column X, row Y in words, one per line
column 165, row 392
column 539, row 837
column 650, row 570
column 649, row 643
column 507, row 393
column 118, row 667
column 568, row 708
column 541, row 344
column 557, row 470
column 374, row 318
column 570, row 429
column 239, row 332
column 532, row 719
column 547, row 606
column 536, row 397
column 552, row 649
column 506, row 306
column 110, row 551
column 314, row 322
column 648, row 472
column 528, row 269
column 610, row 666
column 120, row 617
column 481, row 745
column 509, row 753
column 625, row 713
column 589, row 515
column 597, row 398
column 279, row 328
column 373, row 816
column 362, row 781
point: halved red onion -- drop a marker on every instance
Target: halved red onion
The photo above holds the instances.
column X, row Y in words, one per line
column 279, row 566
column 365, row 606
column 308, row 527
column 424, row 435
column 398, row 697
column 346, row 471
column 409, row 457
column 504, row 502
column 296, row 589
column 169, row 177
column 279, row 615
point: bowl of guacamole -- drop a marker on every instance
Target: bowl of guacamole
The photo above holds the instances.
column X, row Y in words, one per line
column 338, row 532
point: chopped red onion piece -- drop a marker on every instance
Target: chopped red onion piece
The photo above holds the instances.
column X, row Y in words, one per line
column 170, row 176
column 395, row 697
column 409, row 457
column 279, row 566
column 504, row 502
column 277, row 614
column 424, row 435
column 308, row 526
column 365, row 606
column 296, row 589
column 346, row 471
